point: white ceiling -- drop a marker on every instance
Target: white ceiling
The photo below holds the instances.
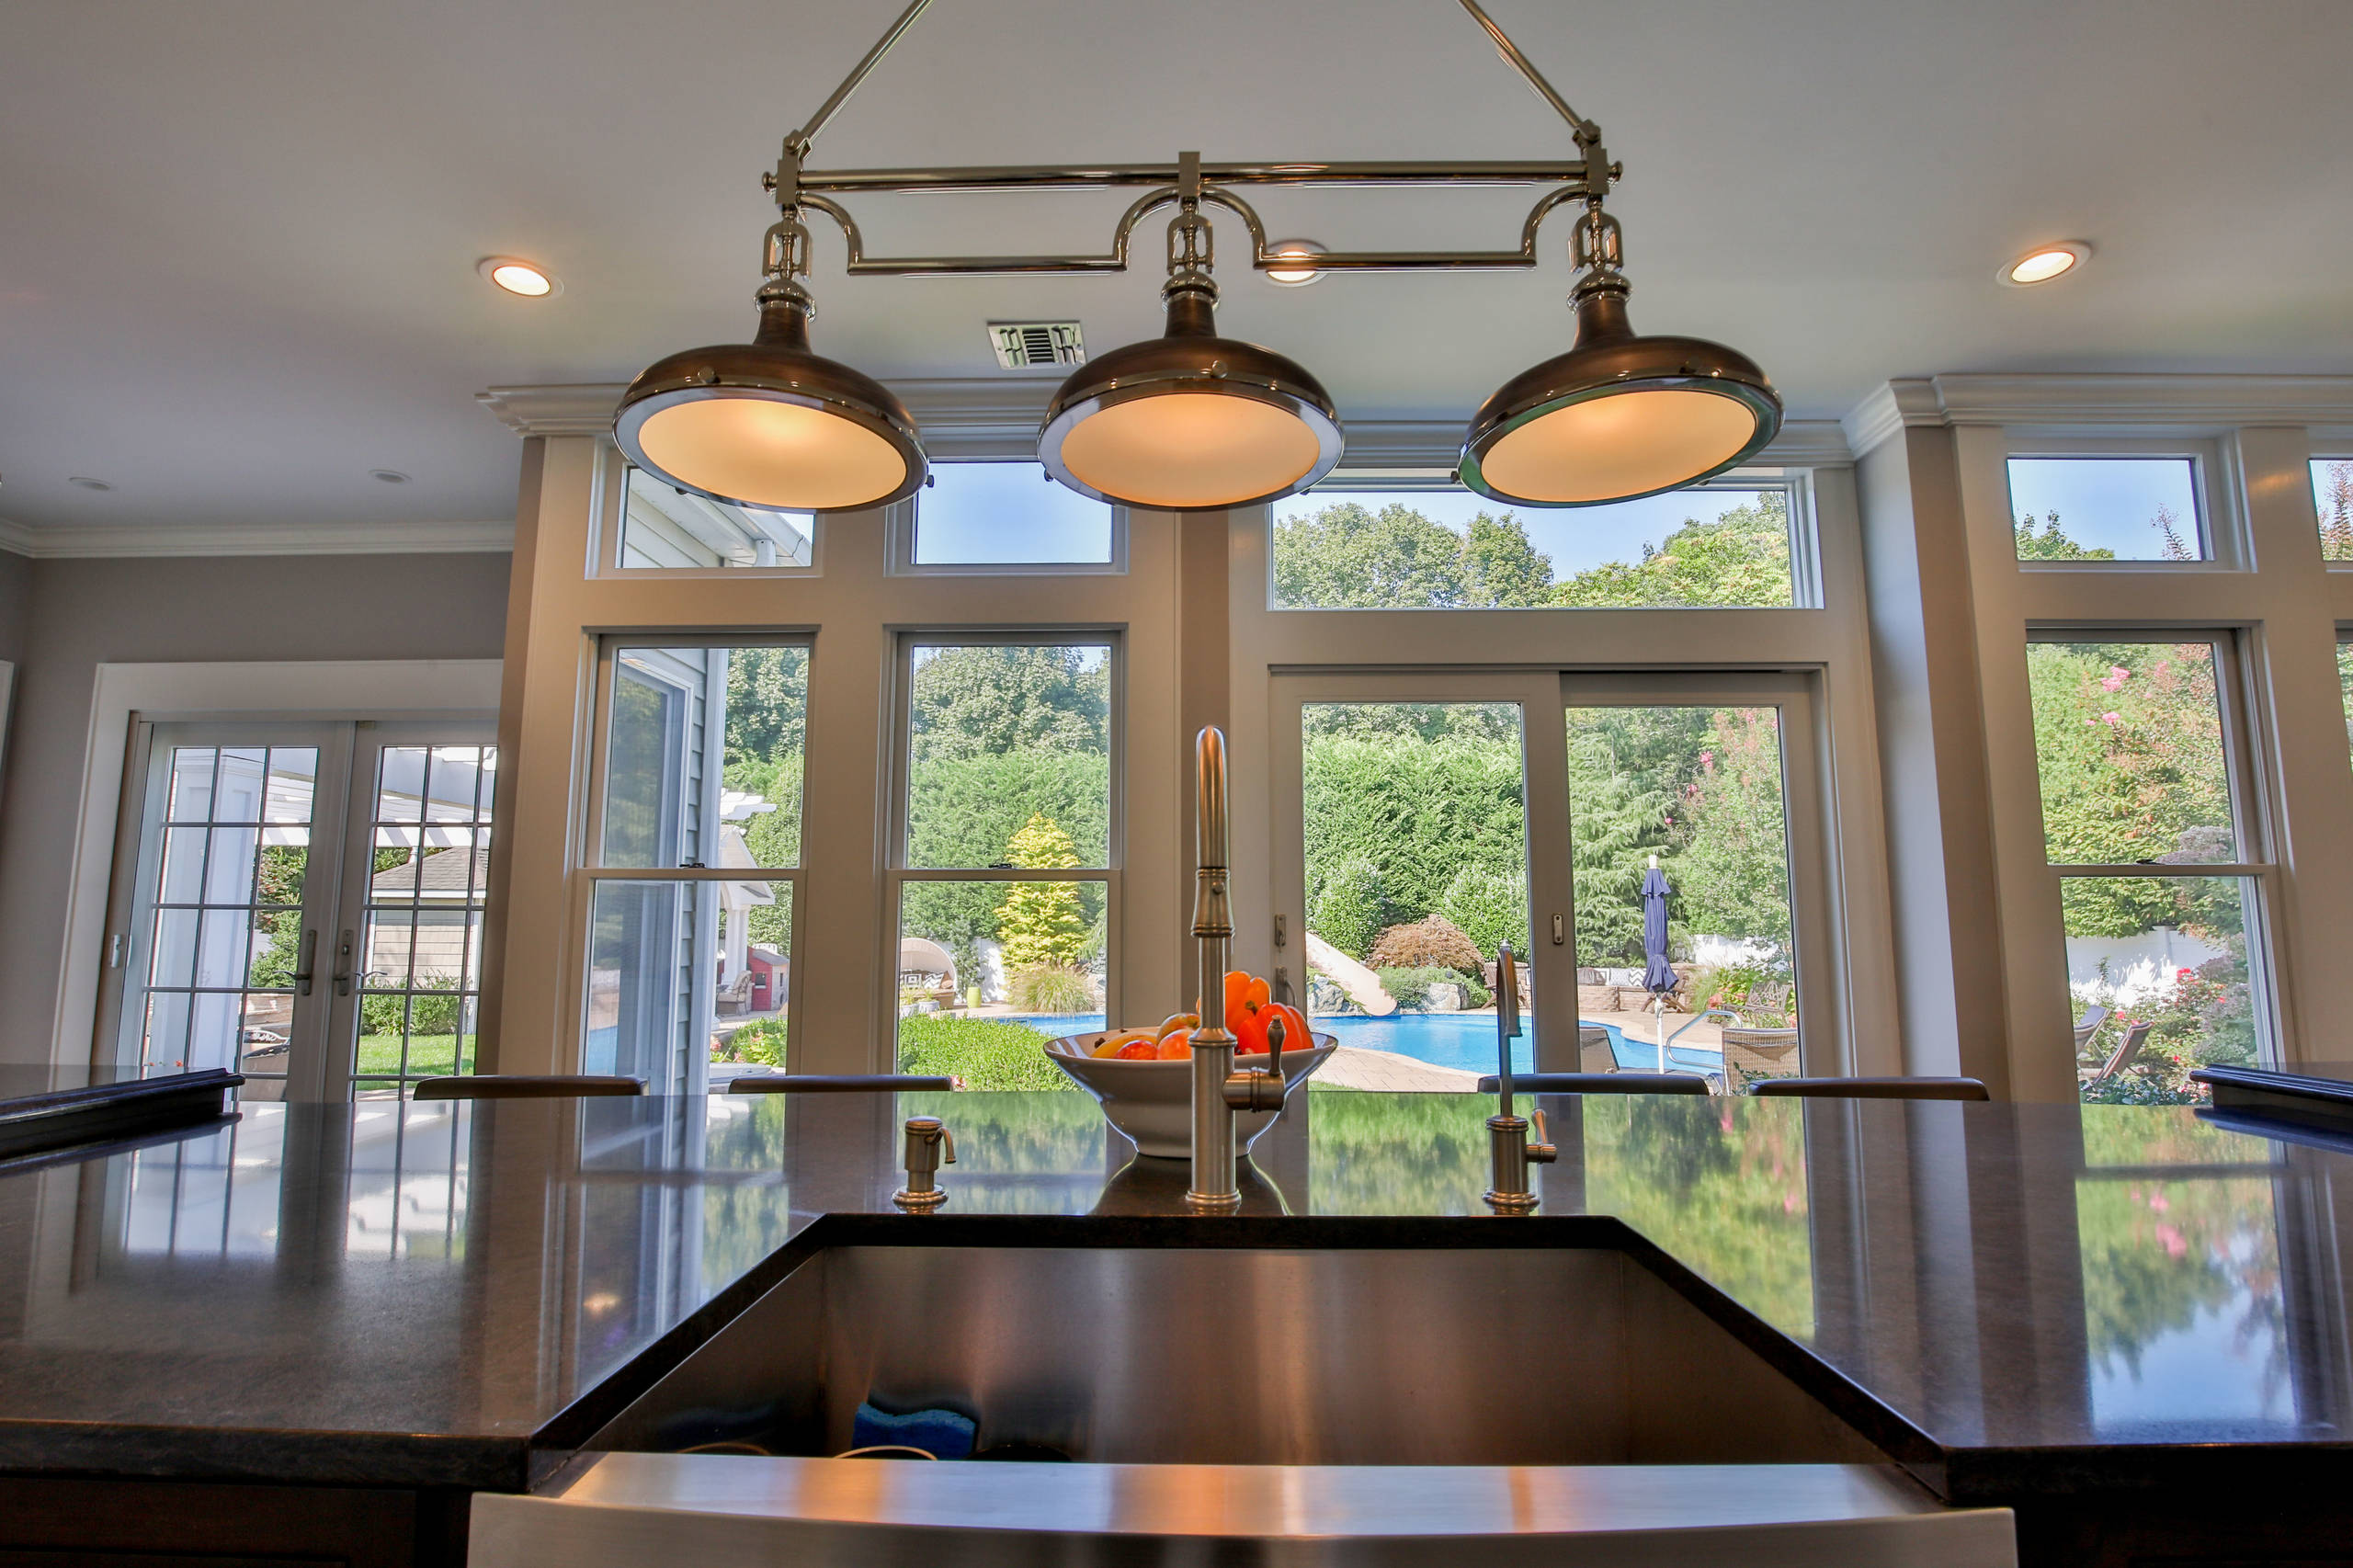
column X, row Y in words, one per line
column 237, row 259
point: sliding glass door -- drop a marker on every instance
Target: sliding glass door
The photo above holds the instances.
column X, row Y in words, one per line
column 1652, row 846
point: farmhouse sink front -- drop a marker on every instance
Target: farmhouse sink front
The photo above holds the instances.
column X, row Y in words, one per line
column 1570, row 1394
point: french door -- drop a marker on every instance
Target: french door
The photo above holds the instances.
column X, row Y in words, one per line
column 1424, row 816
column 300, row 902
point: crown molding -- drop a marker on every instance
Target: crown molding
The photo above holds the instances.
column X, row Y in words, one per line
column 2101, row 402
column 123, row 539
column 998, row 417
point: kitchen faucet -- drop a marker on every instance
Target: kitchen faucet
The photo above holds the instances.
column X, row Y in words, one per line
column 1509, row 1154
column 1218, row 1090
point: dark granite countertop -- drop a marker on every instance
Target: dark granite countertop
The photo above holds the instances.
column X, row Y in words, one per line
column 430, row 1294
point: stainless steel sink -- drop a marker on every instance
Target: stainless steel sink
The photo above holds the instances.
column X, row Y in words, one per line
column 1239, row 1355
column 1401, row 1407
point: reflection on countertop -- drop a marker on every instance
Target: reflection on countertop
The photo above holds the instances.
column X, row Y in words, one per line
column 421, row 1293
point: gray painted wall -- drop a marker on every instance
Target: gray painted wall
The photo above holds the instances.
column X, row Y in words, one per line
column 63, row 618
column 16, row 582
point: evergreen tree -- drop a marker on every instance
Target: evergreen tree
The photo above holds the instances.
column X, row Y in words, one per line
column 1345, row 908
column 1617, row 819
column 1039, row 924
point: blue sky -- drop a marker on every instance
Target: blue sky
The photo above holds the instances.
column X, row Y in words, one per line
column 2107, row 501
column 1578, row 538
column 964, row 518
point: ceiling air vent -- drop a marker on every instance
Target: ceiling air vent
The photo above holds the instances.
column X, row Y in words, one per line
column 1020, row 343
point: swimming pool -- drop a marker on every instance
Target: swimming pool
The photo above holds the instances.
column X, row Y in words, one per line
column 1443, row 1040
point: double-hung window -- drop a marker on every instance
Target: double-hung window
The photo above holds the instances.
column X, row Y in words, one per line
column 2161, row 859
column 1005, row 840
column 695, row 857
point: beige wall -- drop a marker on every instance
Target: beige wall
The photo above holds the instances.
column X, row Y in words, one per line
column 71, row 616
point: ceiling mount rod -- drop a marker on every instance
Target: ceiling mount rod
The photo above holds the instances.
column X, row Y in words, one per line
column 1587, row 131
column 1297, row 171
column 797, row 144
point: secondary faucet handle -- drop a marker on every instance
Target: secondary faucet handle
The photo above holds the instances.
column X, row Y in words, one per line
column 1541, row 1152
column 927, row 1143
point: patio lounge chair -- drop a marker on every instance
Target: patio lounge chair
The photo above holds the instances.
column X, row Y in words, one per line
column 1594, row 1054
column 2121, row 1059
column 1761, row 1054
column 2089, row 1026
column 736, row 996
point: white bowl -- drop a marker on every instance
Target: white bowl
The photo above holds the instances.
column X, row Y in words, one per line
column 1151, row 1102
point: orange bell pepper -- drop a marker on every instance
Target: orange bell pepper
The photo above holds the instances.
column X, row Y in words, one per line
column 1296, row 1034
column 1246, row 1001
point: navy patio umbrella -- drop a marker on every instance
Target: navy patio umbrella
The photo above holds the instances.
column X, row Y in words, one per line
column 1658, row 975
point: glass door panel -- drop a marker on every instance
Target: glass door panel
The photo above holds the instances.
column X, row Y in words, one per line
column 419, row 915
column 220, row 948
column 1696, row 794
column 1414, row 827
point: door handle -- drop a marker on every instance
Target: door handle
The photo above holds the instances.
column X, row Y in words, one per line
column 343, row 966
column 1560, row 932
column 310, row 962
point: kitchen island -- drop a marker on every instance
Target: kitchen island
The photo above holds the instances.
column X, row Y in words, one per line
column 321, row 1329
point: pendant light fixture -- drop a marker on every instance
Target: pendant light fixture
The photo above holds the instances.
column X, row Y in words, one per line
column 1189, row 419
column 772, row 423
column 1620, row 416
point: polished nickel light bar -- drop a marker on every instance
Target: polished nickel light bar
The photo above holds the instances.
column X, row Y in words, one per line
column 1587, row 177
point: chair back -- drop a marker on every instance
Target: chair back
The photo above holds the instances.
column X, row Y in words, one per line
column 842, row 1084
column 1600, row 1083
column 527, row 1086
column 2127, row 1051
column 1875, row 1088
column 1594, row 1053
column 2089, row 1026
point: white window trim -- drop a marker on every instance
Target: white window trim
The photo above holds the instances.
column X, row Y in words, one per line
column 387, row 690
column 591, row 872
column 898, row 777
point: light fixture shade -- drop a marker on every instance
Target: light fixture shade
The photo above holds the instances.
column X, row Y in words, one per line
column 1191, row 421
column 770, row 423
column 1619, row 416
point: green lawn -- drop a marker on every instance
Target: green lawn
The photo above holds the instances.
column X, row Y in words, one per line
column 428, row 1056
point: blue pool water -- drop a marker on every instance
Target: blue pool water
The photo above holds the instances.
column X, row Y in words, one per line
column 1443, row 1040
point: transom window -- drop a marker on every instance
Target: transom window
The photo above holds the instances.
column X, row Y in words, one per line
column 2108, row 508
column 2332, row 501
column 1351, row 545
column 662, row 528
column 1005, row 516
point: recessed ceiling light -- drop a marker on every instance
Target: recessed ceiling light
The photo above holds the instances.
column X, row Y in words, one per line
column 89, row 484
column 387, row 475
column 1294, row 277
column 519, row 276
column 2044, row 263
